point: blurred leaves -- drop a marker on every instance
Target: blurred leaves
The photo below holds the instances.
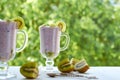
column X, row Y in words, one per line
column 93, row 26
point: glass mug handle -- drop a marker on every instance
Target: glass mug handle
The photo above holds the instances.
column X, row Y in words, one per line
column 66, row 42
column 25, row 40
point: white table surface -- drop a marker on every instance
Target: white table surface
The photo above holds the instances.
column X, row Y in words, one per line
column 102, row 73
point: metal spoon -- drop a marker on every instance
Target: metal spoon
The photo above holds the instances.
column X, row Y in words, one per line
column 52, row 74
column 70, row 75
column 64, row 75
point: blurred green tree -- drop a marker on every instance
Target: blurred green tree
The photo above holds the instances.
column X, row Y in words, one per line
column 93, row 25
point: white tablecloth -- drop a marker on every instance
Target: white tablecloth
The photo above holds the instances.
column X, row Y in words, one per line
column 102, row 73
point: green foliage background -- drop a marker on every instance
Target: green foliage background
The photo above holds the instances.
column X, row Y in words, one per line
column 93, row 25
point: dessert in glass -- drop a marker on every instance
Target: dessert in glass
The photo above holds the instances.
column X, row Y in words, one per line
column 8, row 34
column 50, row 43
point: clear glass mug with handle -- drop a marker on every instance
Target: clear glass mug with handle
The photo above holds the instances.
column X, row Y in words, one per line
column 50, row 44
column 8, row 34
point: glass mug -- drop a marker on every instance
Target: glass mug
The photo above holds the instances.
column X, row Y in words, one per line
column 8, row 33
column 50, row 44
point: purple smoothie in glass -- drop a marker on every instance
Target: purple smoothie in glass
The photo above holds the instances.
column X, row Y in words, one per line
column 49, row 41
column 7, row 40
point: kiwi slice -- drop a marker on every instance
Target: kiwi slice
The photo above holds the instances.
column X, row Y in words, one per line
column 30, row 70
column 19, row 21
column 61, row 25
column 65, row 66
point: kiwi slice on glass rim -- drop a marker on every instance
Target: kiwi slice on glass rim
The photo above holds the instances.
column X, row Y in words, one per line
column 61, row 25
column 20, row 22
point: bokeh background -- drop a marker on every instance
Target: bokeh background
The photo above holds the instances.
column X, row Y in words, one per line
column 93, row 26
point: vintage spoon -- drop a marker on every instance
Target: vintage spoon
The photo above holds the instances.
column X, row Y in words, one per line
column 70, row 75
column 64, row 75
column 52, row 74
